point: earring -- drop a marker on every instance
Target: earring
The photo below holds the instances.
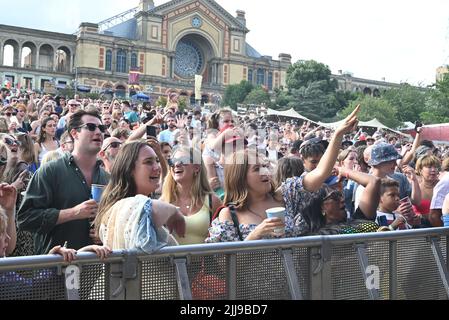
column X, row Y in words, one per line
column 323, row 213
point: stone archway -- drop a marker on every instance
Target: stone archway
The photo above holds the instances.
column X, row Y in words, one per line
column 192, row 55
column 11, row 56
column 28, row 59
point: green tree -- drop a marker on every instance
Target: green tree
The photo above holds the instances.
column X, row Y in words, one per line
column 312, row 92
column 410, row 101
column 161, row 101
column 305, row 73
column 258, row 96
column 371, row 108
column 437, row 106
column 182, row 103
column 236, row 93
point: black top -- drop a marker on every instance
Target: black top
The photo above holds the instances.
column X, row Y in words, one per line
column 57, row 185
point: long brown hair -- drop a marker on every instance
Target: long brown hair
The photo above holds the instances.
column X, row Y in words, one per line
column 200, row 187
column 121, row 183
column 235, row 171
column 42, row 134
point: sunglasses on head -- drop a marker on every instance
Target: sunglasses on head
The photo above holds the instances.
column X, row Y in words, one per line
column 11, row 142
column 92, row 127
column 334, row 195
column 113, row 145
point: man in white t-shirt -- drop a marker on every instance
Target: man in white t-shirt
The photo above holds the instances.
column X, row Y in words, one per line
column 439, row 193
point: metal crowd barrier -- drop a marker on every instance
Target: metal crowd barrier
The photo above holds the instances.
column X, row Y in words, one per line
column 389, row 265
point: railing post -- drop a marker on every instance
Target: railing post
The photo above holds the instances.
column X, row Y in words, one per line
column 292, row 279
column 363, row 262
column 439, row 259
column 393, row 270
column 231, row 276
column 132, row 271
column 124, row 284
column 320, row 271
column 185, row 292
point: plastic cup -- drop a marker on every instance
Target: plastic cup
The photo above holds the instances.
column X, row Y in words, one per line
column 277, row 213
column 446, row 220
column 97, row 191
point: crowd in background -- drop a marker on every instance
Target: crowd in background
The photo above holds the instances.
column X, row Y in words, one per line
column 192, row 176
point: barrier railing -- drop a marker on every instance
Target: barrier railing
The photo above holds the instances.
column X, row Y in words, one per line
column 390, row 265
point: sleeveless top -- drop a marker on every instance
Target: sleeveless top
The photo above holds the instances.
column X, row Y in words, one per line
column 44, row 151
column 197, row 226
column 423, row 207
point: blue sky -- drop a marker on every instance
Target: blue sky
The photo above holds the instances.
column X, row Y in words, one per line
column 403, row 41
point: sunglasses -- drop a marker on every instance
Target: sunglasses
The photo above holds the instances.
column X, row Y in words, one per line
column 183, row 161
column 113, row 145
column 92, row 127
column 334, row 195
column 11, row 142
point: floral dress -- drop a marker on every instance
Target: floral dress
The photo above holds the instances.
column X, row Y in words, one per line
column 226, row 231
column 296, row 198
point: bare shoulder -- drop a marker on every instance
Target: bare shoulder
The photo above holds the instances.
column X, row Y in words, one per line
column 225, row 215
column 216, row 202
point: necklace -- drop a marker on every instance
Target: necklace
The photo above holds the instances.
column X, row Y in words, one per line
column 255, row 213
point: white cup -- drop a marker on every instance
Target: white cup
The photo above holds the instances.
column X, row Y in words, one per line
column 278, row 212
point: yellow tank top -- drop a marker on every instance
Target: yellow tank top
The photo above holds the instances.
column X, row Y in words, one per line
column 197, row 226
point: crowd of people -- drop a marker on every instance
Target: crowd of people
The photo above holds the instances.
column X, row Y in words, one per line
column 178, row 177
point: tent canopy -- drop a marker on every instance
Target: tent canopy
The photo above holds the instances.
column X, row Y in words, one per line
column 140, row 96
column 291, row 113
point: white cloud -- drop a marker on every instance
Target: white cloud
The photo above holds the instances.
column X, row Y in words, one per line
column 400, row 40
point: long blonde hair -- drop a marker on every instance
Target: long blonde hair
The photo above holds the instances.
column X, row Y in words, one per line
column 235, row 171
column 200, row 187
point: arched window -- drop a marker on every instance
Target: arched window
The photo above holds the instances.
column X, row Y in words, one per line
column 121, row 61
column 260, row 77
column 133, row 60
column 108, row 66
column 250, row 75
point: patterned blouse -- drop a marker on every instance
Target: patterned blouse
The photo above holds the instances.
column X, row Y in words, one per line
column 296, row 199
column 294, row 196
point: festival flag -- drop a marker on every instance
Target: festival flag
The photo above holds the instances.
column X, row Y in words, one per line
column 198, row 83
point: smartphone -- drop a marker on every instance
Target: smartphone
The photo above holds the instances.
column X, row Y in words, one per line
column 418, row 124
column 151, row 131
column 405, row 200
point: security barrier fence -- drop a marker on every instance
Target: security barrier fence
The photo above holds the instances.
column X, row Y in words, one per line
column 389, row 265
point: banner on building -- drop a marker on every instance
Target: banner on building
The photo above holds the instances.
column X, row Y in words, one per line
column 134, row 77
column 198, row 83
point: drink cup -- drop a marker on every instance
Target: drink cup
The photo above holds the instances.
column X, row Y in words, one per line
column 97, row 191
column 277, row 213
column 446, row 220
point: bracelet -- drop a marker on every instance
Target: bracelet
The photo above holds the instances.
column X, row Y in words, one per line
column 391, row 228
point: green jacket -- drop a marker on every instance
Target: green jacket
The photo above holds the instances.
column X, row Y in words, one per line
column 57, row 185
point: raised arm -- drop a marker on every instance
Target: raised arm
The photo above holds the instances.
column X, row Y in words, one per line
column 314, row 179
column 409, row 155
column 369, row 200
